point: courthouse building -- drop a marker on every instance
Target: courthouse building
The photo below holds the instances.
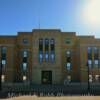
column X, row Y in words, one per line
column 49, row 56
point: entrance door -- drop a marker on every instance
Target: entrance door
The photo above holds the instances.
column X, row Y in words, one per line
column 46, row 77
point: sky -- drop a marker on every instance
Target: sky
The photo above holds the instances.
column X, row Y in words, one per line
column 80, row 16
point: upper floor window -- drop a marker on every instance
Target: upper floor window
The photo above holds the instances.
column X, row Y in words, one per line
column 25, row 53
column 24, row 66
column 3, row 62
column 68, row 65
column 89, row 53
column 90, row 63
column 25, row 41
column 3, row 50
column 46, row 50
column 96, row 53
column 40, row 44
column 96, row 63
column 46, row 45
column 52, row 57
column 40, row 57
column 52, row 43
column 52, row 48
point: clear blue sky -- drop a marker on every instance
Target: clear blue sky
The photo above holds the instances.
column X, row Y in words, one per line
column 24, row 15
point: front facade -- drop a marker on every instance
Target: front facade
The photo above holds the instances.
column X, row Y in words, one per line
column 49, row 56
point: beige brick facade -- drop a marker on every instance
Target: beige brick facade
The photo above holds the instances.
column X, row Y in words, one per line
column 63, row 41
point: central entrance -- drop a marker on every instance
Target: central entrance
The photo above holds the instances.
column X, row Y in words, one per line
column 46, row 77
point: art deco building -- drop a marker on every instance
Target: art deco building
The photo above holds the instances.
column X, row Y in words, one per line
column 49, row 56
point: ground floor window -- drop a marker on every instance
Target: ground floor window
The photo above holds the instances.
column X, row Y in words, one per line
column 24, row 78
column 2, row 78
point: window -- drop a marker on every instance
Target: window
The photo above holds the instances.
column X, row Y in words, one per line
column 96, row 57
column 90, row 63
column 3, row 50
column 89, row 53
column 69, row 78
column 96, row 63
column 25, row 41
column 52, row 57
column 24, row 66
column 52, row 48
column 41, row 57
column 47, row 57
column 24, row 78
column 2, row 78
column 40, row 44
column 40, row 50
column 3, row 57
column 3, row 62
column 90, row 78
column 68, row 60
column 68, row 41
column 52, row 43
column 3, row 53
column 46, row 50
column 97, row 78
column 68, row 65
column 25, row 53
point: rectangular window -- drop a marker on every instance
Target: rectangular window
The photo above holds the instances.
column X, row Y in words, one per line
column 96, row 78
column 3, row 64
column 47, row 57
column 40, row 44
column 68, row 60
column 40, row 50
column 2, row 78
column 52, row 57
column 46, row 50
column 69, row 78
column 89, row 61
column 3, row 50
column 3, row 53
column 96, row 53
column 24, row 78
column 90, row 64
column 24, row 66
column 96, row 63
column 52, row 50
column 40, row 57
column 89, row 53
column 25, row 53
column 3, row 57
column 90, row 78
column 68, row 65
